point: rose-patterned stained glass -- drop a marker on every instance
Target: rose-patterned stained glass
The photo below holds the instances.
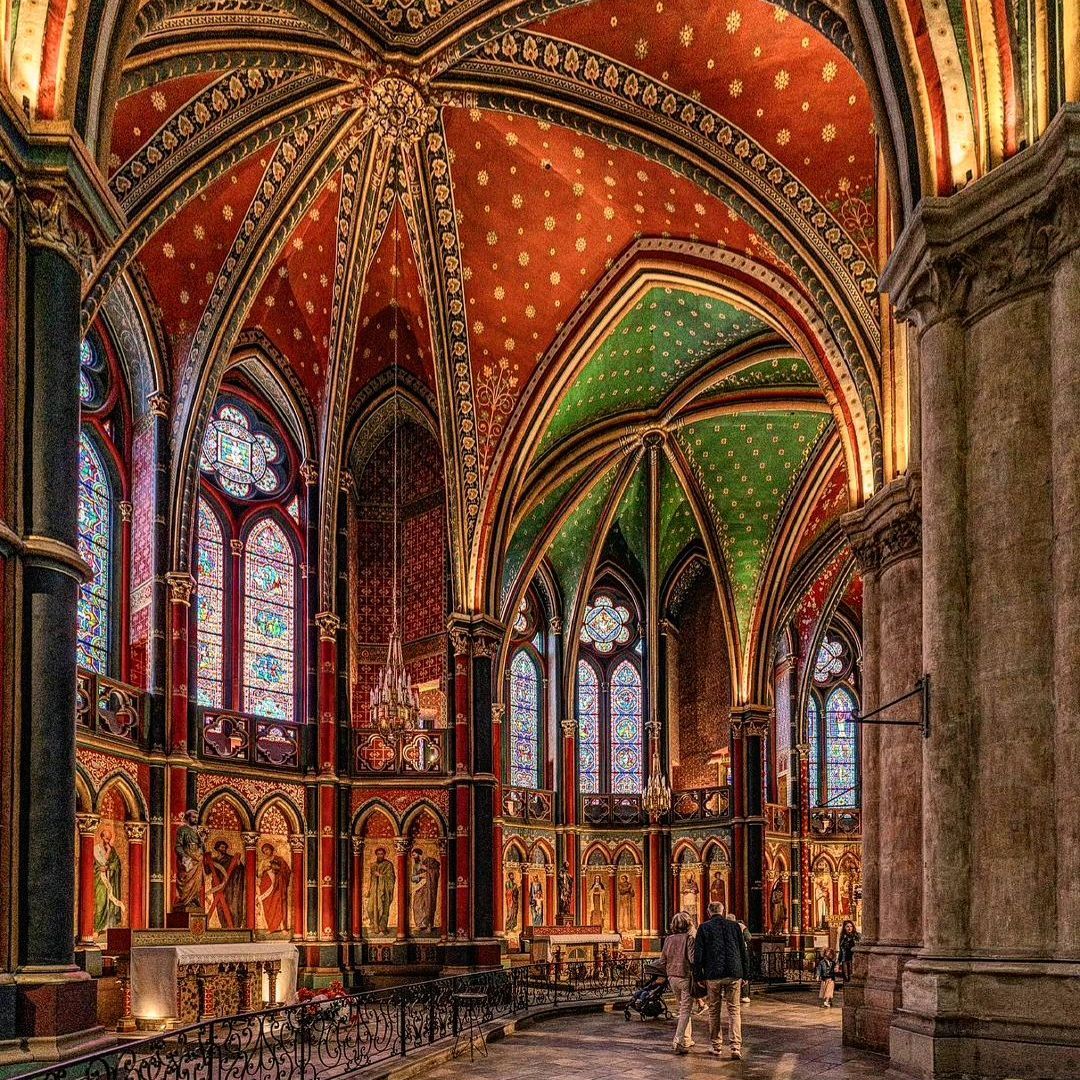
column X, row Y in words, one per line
column 242, row 460
column 209, row 609
column 524, row 721
column 293, row 509
column 627, row 758
column 830, row 661
column 521, row 623
column 268, row 685
column 92, row 376
column 95, row 548
column 606, row 624
column 86, row 387
column 813, row 732
column 841, row 780
column 588, row 718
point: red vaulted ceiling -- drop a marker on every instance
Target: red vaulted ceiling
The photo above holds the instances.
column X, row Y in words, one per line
column 293, row 306
column 830, row 504
column 183, row 258
column 141, row 114
column 543, row 213
column 384, row 287
column 761, row 68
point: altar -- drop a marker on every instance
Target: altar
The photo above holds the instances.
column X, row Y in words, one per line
column 179, row 984
column 576, row 944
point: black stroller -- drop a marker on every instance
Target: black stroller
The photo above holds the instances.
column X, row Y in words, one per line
column 648, row 1000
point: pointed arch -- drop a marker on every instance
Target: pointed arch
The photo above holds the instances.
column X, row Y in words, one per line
column 132, row 798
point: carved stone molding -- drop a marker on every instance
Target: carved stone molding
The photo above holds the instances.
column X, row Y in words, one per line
column 47, row 224
column 180, row 586
column 135, row 831
column 87, row 824
column 965, row 255
column 328, row 624
column 888, row 527
column 569, row 727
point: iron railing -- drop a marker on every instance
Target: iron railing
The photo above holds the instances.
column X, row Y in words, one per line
column 338, row 1037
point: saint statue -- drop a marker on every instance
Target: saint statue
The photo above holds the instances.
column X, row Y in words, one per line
column 510, row 897
column 690, row 894
column 777, row 909
column 380, row 894
column 273, row 893
column 425, row 889
column 596, row 903
column 108, row 907
column 536, row 902
column 190, row 850
column 566, row 888
column 625, row 891
column 227, row 886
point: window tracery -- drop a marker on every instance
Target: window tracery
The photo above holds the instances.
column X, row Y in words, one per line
column 96, row 549
column 525, row 714
column 240, row 456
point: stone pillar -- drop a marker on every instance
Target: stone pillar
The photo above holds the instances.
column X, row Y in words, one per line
column 357, row 919
column 87, row 825
column 136, row 894
column 328, row 625
column 461, row 792
column 749, row 727
column 885, row 536
column 655, row 906
column 251, row 877
column 56, row 1006
column 180, row 586
column 498, row 713
column 984, row 277
column 613, row 901
column 444, row 887
column 298, row 885
column 401, row 869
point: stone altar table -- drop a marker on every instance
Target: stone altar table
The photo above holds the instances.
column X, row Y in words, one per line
column 577, row 943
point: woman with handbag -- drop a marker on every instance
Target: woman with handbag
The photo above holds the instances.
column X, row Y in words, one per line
column 678, row 958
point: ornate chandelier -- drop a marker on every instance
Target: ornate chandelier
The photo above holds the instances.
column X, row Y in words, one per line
column 657, row 795
column 395, row 702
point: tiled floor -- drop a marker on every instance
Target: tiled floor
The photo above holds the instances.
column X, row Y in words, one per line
column 785, row 1037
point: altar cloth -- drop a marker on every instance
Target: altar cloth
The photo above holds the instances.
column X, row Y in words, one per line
column 154, row 972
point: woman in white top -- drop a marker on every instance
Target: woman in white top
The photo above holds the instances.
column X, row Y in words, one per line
column 678, row 955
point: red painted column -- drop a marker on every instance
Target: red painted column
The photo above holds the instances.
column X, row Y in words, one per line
column 251, row 877
column 806, row 894
column 444, row 887
column 357, row 887
column 328, row 624
column 327, row 860
column 549, row 896
column 613, row 901
column 232, row 640
column 298, row 884
column 401, row 850
column 125, row 509
column 87, row 825
column 703, row 893
column 498, row 714
column 180, row 586
column 136, row 838
column 571, row 856
column 460, row 639
column 656, row 883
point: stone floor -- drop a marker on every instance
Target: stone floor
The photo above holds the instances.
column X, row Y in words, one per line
column 785, row 1037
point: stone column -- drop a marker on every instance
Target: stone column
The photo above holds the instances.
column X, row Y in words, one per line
column 326, row 741
column 401, row 850
column 298, row 885
column 87, row 825
column 56, row 1006
column 180, row 586
column 357, row 888
column 136, row 893
column 444, row 887
column 885, row 536
column 460, row 641
column 251, row 877
column 749, row 726
column 987, row 279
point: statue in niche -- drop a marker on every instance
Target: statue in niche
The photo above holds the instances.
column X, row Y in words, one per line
column 625, row 892
column 597, row 907
column 510, row 898
column 777, row 909
column 566, row 888
column 536, row 902
column 381, row 880
column 190, row 851
column 108, row 907
column 425, row 889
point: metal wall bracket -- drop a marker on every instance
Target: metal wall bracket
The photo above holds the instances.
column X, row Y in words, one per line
column 922, row 690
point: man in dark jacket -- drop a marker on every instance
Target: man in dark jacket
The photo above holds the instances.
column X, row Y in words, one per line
column 721, row 961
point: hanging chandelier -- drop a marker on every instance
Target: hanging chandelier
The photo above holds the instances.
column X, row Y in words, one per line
column 657, row 795
column 395, row 702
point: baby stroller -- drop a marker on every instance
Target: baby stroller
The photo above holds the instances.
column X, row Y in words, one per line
column 648, row 1000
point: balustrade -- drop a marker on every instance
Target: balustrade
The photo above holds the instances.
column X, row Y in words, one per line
column 108, row 708
column 417, row 751
column 529, row 805
column 252, row 740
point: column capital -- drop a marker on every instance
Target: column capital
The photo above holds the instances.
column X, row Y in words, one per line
column 401, row 845
column 964, row 255
column 555, row 626
column 48, row 224
column 251, row 839
column 309, row 473
column 328, row 624
column 87, row 824
column 180, row 585
column 498, row 712
column 569, row 727
column 888, row 526
column 158, row 404
column 135, row 831
column 750, row 720
column 296, row 842
column 125, row 509
column 357, row 845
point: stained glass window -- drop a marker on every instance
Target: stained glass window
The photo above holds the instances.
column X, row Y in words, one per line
column 830, row 661
column 588, row 717
column 209, row 610
column 813, row 732
column 841, row 783
column 92, row 375
column 521, row 623
column 627, row 765
column 605, row 625
column 241, row 459
column 86, row 387
column 268, row 641
column 293, row 509
column 95, row 547
column 524, row 720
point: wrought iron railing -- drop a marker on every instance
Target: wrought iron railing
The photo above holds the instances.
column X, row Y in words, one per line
column 529, row 805
column 338, row 1037
column 417, row 751
column 107, row 707
column 253, row 740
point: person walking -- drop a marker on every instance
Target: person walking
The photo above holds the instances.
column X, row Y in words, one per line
column 849, row 938
column 744, row 986
column 721, row 960
column 826, row 973
column 678, row 954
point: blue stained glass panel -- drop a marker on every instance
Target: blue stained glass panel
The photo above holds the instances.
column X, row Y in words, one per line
column 841, row 782
column 95, row 547
column 269, row 623
column 588, row 717
column 813, row 736
column 524, row 721
column 627, row 757
column 209, row 610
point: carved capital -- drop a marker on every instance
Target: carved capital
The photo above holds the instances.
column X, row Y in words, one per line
column 158, row 404
column 498, row 712
column 459, row 640
column 251, row 840
column 328, row 624
column 9, row 206
column 401, row 845
column 888, row 527
column 236, row 547
column 309, row 473
column 87, row 824
column 180, row 585
column 47, row 223
column 485, row 646
column 555, row 626
column 569, row 727
column 125, row 509
column 296, row 842
column 357, row 846
column 135, row 831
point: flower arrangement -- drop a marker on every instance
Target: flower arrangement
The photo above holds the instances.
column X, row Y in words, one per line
column 315, row 999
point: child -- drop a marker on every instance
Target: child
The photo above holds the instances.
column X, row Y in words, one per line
column 826, row 973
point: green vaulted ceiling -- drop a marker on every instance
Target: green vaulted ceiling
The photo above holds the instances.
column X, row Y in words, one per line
column 747, row 465
column 677, row 524
column 666, row 336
